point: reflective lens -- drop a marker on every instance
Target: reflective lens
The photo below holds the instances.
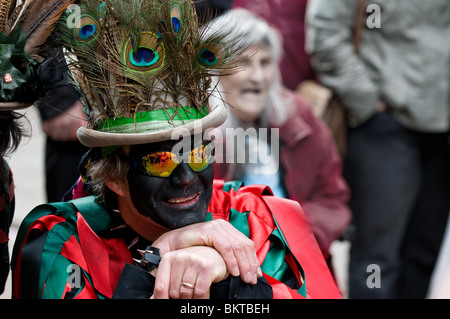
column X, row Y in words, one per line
column 201, row 157
column 159, row 164
column 162, row 164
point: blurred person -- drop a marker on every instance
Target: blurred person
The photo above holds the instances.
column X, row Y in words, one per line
column 26, row 75
column 11, row 133
column 396, row 93
column 299, row 162
column 61, row 114
column 62, row 152
column 190, row 236
column 288, row 17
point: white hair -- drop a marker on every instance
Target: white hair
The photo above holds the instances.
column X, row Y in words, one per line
column 251, row 30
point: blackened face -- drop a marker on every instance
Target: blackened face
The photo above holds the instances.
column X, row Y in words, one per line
column 178, row 200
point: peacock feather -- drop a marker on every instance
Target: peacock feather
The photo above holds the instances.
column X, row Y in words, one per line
column 133, row 56
column 37, row 19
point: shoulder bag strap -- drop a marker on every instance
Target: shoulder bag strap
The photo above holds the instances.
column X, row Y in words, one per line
column 359, row 24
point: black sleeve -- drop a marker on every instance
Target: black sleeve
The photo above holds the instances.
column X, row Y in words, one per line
column 31, row 257
column 136, row 283
column 235, row 288
column 56, row 87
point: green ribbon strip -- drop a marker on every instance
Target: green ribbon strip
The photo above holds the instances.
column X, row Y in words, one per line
column 182, row 114
column 274, row 264
column 227, row 186
column 57, row 277
column 54, row 242
column 279, row 234
column 239, row 221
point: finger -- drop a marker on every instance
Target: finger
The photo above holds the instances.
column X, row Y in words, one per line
column 244, row 253
column 202, row 285
column 254, row 267
column 224, row 242
column 248, row 271
column 161, row 290
column 249, row 248
column 178, row 266
column 188, row 283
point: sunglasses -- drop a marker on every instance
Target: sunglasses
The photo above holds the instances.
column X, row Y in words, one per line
column 162, row 164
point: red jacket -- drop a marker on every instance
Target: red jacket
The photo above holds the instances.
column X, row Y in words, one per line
column 312, row 173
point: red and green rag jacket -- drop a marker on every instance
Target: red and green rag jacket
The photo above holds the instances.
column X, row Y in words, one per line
column 72, row 234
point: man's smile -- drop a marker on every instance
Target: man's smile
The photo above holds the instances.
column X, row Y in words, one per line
column 183, row 202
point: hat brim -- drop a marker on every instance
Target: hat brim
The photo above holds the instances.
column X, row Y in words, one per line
column 92, row 138
column 13, row 106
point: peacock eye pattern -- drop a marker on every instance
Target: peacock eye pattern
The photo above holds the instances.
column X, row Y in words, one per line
column 143, row 57
column 143, row 54
column 86, row 28
column 87, row 31
column 207, row 57
column 175, row 18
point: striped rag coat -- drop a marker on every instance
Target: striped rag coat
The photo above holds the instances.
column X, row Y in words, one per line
column 55, row 237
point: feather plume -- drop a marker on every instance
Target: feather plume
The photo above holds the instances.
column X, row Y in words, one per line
column 36, row 17
column 40, row 20
column 10, row 13
column 5, row 8
column 120, row 52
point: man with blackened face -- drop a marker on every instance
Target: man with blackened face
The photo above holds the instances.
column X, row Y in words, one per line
column 146, row 219
column 174, row 190
column 169, row 186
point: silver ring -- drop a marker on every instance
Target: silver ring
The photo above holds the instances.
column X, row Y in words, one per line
column 187, row 285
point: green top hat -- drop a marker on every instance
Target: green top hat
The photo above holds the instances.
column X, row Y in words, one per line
column 145, row 69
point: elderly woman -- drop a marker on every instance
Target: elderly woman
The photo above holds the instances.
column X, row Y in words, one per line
column 288, row 148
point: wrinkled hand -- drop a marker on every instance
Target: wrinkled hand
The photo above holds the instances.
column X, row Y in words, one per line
column 198, row 267
column 236, row 249
column 64, row 127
